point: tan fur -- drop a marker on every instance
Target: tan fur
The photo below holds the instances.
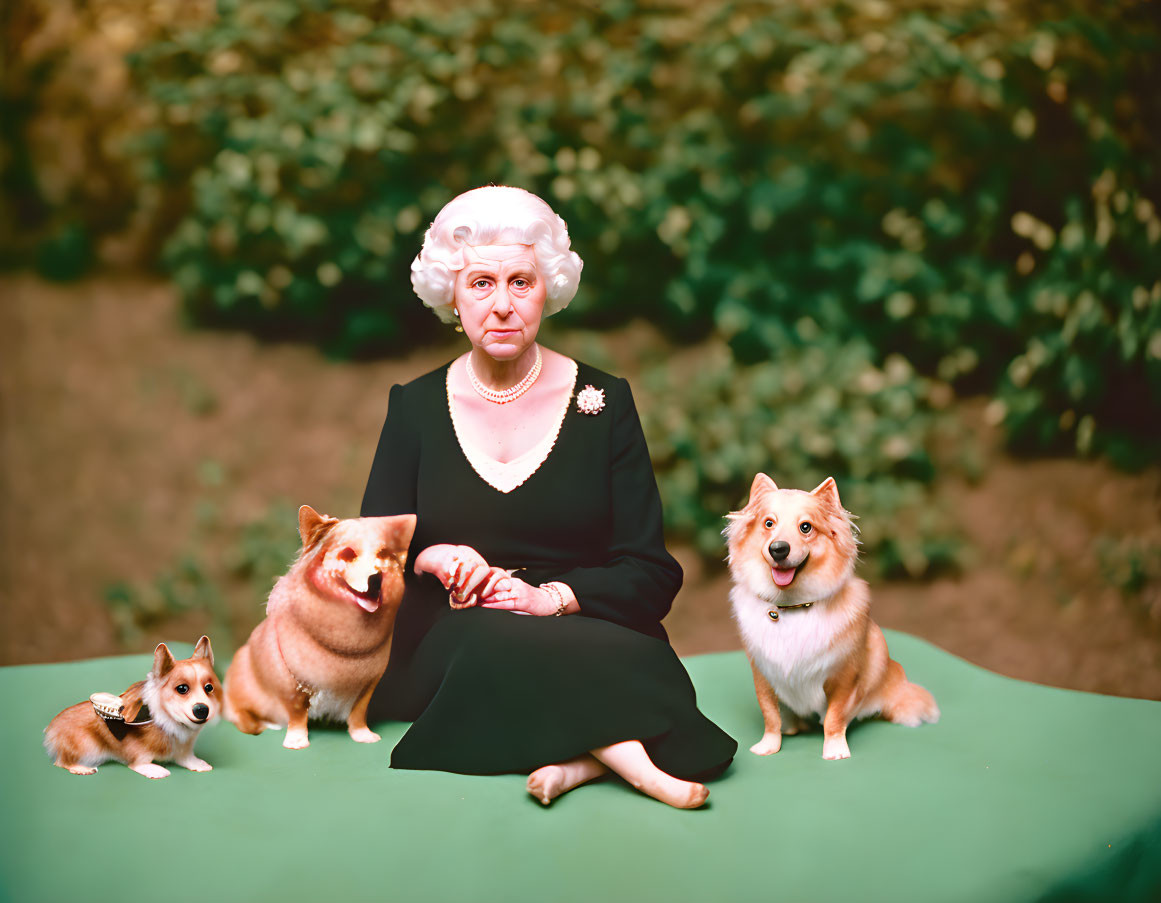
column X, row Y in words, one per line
column 79, row 739
column 320, row 653
column 829, row 659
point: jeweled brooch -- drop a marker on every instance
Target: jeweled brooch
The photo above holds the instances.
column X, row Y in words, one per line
column 590, row 400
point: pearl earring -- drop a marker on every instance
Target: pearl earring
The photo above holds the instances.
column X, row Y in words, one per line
column 456, row 311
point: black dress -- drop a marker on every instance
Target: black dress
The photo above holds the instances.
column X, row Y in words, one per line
column 493, row 692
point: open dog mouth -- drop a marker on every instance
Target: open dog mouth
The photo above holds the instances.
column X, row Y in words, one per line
column 368, row 600
column 334, row 583
column 784, row 575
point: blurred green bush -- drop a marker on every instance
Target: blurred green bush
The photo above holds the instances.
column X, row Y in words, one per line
column 968, row 190
column 826, row 410
column 226, row 571
column 969, row 186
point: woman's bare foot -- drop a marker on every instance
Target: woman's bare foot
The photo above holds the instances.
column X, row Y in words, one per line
column 630, row 760
column 549, row 782
column 678, row 793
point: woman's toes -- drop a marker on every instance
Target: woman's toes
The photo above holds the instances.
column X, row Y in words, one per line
column 680, row 794
column 546, row 783
column 698, row 794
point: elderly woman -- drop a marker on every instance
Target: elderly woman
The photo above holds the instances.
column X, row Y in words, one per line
column 529, row 639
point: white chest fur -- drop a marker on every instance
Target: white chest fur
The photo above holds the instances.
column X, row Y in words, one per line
column 797, row 653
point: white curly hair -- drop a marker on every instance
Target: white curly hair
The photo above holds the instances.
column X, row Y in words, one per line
column 494, row 215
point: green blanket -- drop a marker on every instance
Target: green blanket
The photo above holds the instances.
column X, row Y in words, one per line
column 1021, row 792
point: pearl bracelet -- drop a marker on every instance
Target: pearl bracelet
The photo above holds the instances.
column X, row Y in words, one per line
column 557, row 597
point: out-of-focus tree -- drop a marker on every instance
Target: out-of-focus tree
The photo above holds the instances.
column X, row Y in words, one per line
column 68, row 106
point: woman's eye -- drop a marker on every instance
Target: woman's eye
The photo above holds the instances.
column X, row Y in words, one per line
column 769, row 524
column 480, row 283
column 805, row 527
column 182, row 689
column 520, row 283
column 209, row 688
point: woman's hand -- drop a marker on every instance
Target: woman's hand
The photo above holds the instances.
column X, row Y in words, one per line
column 461, row 569
column 510, row 593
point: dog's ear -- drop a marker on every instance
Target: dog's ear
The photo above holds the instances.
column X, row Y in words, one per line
column 827, row 491
column 736, row 521
column 162, row 661
column 203, row 650
column 762, row 483
column 132, row 702
column 313, row 526
column 400, row 530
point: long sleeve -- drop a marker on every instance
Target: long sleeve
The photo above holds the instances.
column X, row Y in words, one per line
column 391, row 486
column 636, row 585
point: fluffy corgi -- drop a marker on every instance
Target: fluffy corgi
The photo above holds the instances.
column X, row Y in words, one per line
column 327, row 634
column 182, row 697
column 805, row 621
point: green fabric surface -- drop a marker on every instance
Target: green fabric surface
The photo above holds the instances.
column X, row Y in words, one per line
column 1021, row 792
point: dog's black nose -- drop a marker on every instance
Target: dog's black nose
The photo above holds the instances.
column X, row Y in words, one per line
column 779, row 550
column 374, row 584
column 201, row 711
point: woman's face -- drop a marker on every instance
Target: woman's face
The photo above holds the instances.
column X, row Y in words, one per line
column 500, row 297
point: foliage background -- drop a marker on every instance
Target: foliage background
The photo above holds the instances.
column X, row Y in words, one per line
column 858, row 212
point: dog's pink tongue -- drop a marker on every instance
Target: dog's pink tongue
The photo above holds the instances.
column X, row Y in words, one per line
column 783, row 576
column 368, row 604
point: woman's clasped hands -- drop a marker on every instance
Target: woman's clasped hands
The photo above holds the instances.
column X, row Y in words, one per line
column 470, row 580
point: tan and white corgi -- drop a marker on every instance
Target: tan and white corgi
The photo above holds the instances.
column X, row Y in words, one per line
column 326, row 638
column 182, row 697
column 805, row 622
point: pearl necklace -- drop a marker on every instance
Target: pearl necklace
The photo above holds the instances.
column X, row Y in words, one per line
column 504, row 396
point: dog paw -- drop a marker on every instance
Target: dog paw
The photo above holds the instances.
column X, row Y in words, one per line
column 81, row 769
column 364, row 735
column 296, row 740
column 835, row 748
column 198, row 765
column 768, row 745
column 150, row 770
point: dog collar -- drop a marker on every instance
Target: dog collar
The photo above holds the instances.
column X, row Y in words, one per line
column 776, row 612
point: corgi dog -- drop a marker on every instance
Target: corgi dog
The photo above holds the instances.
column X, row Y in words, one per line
column 804, row 619
column 182, row 697
column 326, row 638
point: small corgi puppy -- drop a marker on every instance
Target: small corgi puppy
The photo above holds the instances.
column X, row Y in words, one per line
column 182, row 697
column 805, row 622
column 327, row 634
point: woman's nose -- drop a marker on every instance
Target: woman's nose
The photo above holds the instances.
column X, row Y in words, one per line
column 502, row 303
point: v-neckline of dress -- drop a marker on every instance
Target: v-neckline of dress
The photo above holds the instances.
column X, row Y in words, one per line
column 507, row 476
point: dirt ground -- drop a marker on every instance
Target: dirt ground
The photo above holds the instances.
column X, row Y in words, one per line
column 125, row 433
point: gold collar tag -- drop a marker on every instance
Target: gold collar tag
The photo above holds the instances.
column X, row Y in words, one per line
column 775, row 613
